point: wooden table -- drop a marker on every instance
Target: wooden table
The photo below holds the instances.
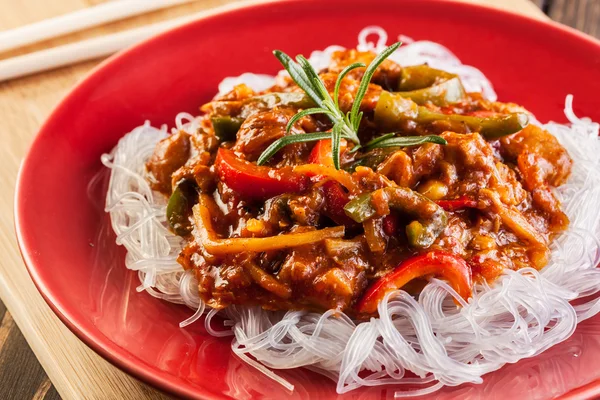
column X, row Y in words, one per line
column 73, row 370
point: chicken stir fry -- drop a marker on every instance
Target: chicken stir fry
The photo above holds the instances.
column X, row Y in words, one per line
column 423, row 180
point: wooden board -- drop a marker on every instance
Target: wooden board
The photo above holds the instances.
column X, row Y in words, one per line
column 75, row 370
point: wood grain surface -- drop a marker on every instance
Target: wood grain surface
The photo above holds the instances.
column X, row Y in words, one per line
column 66, row 367
column 579, row 14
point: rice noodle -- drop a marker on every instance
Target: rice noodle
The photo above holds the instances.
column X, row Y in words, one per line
column 522, row 314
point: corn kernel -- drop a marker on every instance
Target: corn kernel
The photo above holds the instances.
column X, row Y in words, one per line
column 255, row 226
column 433, row 189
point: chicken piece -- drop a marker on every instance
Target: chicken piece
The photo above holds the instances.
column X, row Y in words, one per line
column 170, row 154
column 518, row 224
column 319, row 281
column 264, row 127
column 202, row 148
column 369, row 181
column 348, row 90
column 399, row 168
column 456, row 236
column 478, row 167
column 511, row 191
column 535, row 140
column 425, row 159
column 474, row 161
column 407, row 167
column 386, row 75
column 543, row 163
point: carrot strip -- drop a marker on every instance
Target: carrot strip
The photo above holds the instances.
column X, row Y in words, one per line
column 215, row 246
column 341, row 176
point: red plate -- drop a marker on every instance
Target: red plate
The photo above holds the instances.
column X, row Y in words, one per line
column 68, row 244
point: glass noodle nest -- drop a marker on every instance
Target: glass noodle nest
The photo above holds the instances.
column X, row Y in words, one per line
column 522, row 314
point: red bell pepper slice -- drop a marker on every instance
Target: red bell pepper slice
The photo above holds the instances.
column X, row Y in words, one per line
column 335, row 200
column 322, row 153
column 457, row 204
column 335, row 196
column 390, row 225
column 441, row 264
column 257, row 182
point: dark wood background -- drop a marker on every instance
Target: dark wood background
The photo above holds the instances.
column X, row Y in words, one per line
column 22, row 377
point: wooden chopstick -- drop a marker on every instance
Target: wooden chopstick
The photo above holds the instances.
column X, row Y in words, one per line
column 79, row 20
column 102, row 46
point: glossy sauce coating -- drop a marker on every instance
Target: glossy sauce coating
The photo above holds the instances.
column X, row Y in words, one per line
column 495, row 194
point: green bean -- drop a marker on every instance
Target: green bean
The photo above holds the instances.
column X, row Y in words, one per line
column 423, row 84
column 372, row 159
column 244, row 108
column 360, row 209
column 179, row 208
column 442, row 94
column 431, row 220
column 421, row 76
column 226, row 127
column 270, row 100
column 392, row 108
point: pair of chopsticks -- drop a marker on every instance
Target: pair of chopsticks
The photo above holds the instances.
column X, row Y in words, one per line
column 84, row 50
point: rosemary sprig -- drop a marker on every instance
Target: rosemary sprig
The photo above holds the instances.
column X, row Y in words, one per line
column 388, row 140
column 344, row 125
column 280, row 144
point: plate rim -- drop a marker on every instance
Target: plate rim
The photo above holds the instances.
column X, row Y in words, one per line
column 108, row 349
